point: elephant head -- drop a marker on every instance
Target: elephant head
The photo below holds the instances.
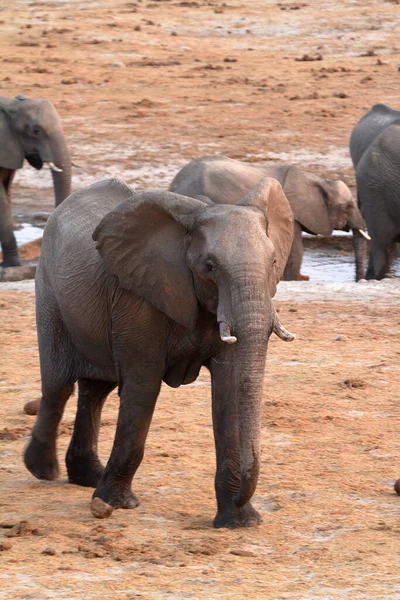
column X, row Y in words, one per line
column 322, row 205
column 32, row 129
column 190, row 258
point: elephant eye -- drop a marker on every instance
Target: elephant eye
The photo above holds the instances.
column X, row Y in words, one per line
column 35, row 131
column 210, row 266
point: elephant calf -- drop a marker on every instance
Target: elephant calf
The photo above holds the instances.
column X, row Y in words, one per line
column 29, row 129
column 319, row 205
column 171, row 284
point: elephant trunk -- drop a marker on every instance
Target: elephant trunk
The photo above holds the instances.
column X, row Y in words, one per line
column 251, row 322
column 360, row 237
column 61, row 160
column 360, row 250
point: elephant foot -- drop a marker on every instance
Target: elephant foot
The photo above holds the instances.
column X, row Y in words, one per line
column 301, row 277
column 117, row 497
column 32, row 407
column 84, row 470
column 10, row 262
column 397, row 487
column 41, row 460
column 389, row 276
column 234, row 517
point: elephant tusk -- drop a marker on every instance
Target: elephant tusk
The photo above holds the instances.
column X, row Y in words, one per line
column 280, row 330
column 225, row 334
column 365, row 234
column 53, row 167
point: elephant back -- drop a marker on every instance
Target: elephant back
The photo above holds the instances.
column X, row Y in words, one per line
column 369, row 127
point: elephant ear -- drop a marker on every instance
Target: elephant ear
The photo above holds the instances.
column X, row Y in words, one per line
column 11, row 151
column 142, row 242
column 268, row 196
column 308, row 200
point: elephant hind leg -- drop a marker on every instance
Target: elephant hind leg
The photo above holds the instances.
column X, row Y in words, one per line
column 40, row 455
column 7, row 237
column 57, row 362
column 83, row 464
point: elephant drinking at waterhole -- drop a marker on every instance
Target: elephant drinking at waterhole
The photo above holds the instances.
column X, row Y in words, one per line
column 133, row 289
column 375, row 152
column 319, row 205
column 29, row 129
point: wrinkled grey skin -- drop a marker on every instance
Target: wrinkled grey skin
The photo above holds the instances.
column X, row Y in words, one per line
column 29, row 129
column 141, row 306
column 375, row 152
column 319, row 205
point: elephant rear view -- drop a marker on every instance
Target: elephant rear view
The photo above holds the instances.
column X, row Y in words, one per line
column 29, row 129
column 375, row 152
column 319, row 205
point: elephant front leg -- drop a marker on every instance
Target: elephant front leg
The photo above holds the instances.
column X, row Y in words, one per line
column 7, row 237
column 293, row 266
column 135, row 413
column 380, row 258
column 226, row 435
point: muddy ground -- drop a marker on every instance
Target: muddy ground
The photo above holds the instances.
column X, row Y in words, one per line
column 141, row 88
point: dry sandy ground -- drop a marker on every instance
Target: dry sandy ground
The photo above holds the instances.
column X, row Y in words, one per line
column 330, row 458
column 141, row 88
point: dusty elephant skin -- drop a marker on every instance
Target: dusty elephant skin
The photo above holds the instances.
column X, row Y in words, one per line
column 172, row 284
column 29, row 129
column 375, row 151
column 319, row 205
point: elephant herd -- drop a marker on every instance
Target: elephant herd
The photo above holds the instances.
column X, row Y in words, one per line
column 137, row 288
column 32, row 129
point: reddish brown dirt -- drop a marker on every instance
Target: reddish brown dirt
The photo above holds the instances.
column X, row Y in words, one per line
column 330, row 457
column 331, row 417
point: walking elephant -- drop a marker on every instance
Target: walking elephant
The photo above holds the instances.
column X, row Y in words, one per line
column 29, row 129
column 319, row 205
column 171, row 284
column 375, row 152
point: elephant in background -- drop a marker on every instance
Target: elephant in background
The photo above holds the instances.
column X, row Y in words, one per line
column 29, row 129
column 319, row 205
column 171, row 284
column 375, row 152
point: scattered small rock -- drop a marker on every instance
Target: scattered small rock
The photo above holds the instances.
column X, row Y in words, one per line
column 100, row 509
column 5, row 546
column 49, row 552
column 239, row 552
column 230, row 60
column 397, row 487
column 355, row 383
column 341, row 95
column 368, row 53
column 309, row 57
column 22, row 529
column 8, row 435
column 118, row 65
column 340, row 337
